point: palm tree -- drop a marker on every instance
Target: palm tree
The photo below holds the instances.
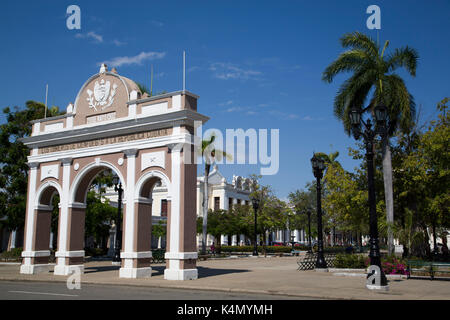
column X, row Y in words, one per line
column 329, row 159
column 210, row 154
column 373, row 76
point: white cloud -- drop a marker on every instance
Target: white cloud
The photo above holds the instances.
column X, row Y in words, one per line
column 138, row 59
column 92, row 35
column 226, row 103
column 118, row 43
column 234, row 109
column 283, row 115
column 226, row 71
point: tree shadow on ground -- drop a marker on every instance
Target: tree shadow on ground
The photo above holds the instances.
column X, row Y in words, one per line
column 100, row 269
column 429, row 279
column 202, row 271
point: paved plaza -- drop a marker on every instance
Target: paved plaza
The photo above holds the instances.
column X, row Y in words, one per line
column 271, row 275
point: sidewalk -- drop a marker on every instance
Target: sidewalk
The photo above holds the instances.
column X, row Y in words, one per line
column 276, row 275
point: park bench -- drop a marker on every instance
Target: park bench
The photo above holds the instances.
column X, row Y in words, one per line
column 158, row 256
column 427, row 267
column 308, row 261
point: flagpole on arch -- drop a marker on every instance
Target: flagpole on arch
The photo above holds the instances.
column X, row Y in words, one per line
column 184, row 70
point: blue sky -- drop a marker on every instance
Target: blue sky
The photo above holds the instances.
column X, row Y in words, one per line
column 254, row 64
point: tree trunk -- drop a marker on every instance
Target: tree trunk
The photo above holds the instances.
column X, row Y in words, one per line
column 205, row 209
column 388, row 194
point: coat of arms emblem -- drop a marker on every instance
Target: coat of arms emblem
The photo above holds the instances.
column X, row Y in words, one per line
column 102, row 95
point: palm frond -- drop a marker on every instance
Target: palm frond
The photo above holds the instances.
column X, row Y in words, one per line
column 360, row 41
column 404, row 57
column 352, row 60
column 353, row 94
column 400, row 103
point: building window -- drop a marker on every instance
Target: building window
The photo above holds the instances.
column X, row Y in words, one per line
column 239, row 202
column 216, row 203
column 230, row 203
column 163, row 208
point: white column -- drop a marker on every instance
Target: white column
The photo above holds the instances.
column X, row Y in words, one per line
column 224, row 240
column 13, row 239
column 28, row 253
column 65, row 202
column 129, row 252
column 173, row 254
column 234, row 240
column 296, row 236
column 51, row 241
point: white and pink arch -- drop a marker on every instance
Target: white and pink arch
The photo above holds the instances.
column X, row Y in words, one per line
column 143, row 140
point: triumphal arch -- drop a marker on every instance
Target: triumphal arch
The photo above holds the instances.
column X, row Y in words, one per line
column 144, row 140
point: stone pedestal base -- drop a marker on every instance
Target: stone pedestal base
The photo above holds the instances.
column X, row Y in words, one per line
column 35, row 268
column 181, row 266
column 69, row 262
column 35, row 262
column 185, row 274
column 321, row 269
column 136, row 264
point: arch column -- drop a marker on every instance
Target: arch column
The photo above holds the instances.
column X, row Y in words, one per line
column 36, row 251
column 136, row 251
column 70, row 254
column 182, row 254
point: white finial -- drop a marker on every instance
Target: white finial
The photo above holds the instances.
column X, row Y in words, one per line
column 103, row 68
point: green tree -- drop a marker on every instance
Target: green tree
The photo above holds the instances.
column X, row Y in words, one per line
column 303, row 201
column 345, row 200
column 98, row 217
column 210, row 154
column 272, row 213
column 159, row 230
column 373, row 75
column 13, row 160
column 430, row 166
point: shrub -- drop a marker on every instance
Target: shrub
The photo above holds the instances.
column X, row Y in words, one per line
column 269, row 249
column 393, row 265
column 14, row 254
column 390, row 265
column 95, row 252
column 351, row 261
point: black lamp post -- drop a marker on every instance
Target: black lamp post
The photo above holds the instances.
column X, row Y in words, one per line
column 369, row 134
column 255, row 202
column 118, row 243
column 318, row 167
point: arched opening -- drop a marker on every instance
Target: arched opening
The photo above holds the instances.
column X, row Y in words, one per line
column 154, row 208
column 47, row 212
column 91, row 216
